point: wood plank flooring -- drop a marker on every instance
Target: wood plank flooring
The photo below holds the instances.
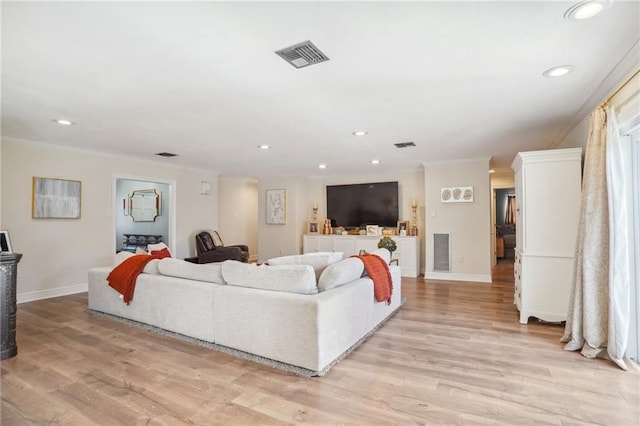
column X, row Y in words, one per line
column 454, row 354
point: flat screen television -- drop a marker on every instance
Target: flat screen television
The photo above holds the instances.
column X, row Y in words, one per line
column 357, row 205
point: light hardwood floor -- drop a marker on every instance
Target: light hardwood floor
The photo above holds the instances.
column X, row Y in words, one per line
column 454, row 354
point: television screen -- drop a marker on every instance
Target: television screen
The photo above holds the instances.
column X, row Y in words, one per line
column 357, row 205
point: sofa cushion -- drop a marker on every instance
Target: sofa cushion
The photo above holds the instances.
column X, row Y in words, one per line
column 208, row 272
column 340, row 273
column 285, row 278
column 152, row 267
column 318, row 261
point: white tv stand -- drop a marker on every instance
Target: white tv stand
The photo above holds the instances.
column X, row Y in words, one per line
column 408, row 252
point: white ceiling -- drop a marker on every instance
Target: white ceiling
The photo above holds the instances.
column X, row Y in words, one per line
column 460, row 79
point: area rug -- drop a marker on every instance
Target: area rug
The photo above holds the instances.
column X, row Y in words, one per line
column 300, row 371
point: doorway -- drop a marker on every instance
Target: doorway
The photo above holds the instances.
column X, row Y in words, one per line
column 157, row 227
column 504, row 224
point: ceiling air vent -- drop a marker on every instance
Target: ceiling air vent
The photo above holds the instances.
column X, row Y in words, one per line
column 167, row 154
column 404, row 144
column 302, row 54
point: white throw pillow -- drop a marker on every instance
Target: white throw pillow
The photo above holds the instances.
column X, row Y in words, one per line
column 140, row 250
column 158, row 247
column 318, row 261
column 383, row 253
column 298, row 279
column 340, row 273
column 209, row 272
column 121, row 257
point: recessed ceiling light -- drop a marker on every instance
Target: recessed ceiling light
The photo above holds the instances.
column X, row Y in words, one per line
column 375, row 161
column 586, row 9
column 264, row 146
column 559, row 71
column 64, row 122
column 322, row 166
column 359, row 133
column 492, row 171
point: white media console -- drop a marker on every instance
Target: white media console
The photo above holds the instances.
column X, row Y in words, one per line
column 408, row 252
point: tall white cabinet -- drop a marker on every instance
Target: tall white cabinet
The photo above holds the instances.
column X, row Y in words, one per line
column 548, row 186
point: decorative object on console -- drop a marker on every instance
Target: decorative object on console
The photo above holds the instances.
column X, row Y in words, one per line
column 56, row 198
column 315, row 211
column 414, row 218
column 312, row 228
column 326, row 227
column 387, row 243
column 5, row 242
column 372, row 230
column 402, row 228
column 456, row 194
column 339, row 230
column 276, row 202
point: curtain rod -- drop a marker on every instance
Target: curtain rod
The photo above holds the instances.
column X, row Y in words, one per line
column 622, row 86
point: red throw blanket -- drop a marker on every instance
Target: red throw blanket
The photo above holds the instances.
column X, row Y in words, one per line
column 123, row 277
column 378, row 271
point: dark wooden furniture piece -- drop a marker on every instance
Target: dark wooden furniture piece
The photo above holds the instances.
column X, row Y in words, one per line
column 131, row 242
column 8, row 308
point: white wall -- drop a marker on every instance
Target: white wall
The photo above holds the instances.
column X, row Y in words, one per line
column 58, row 252
column 468, row 223
column 238, row 221
column 277, row 240
column 504, row 179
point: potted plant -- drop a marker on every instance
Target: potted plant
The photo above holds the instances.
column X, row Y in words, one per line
column 388, row 243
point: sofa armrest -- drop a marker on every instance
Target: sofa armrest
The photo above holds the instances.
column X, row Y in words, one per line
column 240, row 246
column 220, row 254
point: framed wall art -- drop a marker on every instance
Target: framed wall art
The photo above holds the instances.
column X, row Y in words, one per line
column 56, row 198
column 276, row 206
column 457, row 194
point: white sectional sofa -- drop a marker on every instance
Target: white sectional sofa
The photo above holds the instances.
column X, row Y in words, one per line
column 276, row 312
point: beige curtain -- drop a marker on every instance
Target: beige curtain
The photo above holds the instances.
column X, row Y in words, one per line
column 596, row 323
column 510, row 217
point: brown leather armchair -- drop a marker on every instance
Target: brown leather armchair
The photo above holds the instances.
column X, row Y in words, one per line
column 211, row 249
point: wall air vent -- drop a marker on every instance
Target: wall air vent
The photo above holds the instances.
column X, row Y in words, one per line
column 441, row 253
column 302, row 54
column 167, row 154
column 404, row 144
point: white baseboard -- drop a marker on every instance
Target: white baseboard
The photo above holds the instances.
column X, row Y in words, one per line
column 449, row 276
column 53, row 292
